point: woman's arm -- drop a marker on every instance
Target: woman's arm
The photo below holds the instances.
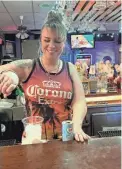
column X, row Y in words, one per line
column 78, row 105
column 21, row 67
column 13, row 73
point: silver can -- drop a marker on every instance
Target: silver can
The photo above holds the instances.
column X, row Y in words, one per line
column 67, row 130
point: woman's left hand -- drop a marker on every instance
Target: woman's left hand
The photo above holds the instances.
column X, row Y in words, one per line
column 81, row 136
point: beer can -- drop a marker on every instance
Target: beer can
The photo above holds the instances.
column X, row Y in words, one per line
column 67, row 130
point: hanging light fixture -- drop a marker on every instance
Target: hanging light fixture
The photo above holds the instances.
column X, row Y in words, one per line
column 22, row 34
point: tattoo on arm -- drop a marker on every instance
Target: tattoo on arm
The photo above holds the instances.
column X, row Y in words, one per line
column 27, row 63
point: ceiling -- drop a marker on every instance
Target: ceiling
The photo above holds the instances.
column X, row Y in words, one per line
column 109, row 16
column 34, row 13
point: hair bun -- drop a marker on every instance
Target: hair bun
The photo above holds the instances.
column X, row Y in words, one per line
column 54, row 16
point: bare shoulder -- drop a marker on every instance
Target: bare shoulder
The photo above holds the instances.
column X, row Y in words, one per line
column 24, row 63
column 72, row 68
column 78, row 87
column 23, row 68
column 74, row 73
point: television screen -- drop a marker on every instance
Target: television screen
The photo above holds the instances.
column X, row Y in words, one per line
column 81, row 58
column 82, row 41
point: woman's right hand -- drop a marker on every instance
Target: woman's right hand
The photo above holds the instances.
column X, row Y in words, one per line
column 8, row 82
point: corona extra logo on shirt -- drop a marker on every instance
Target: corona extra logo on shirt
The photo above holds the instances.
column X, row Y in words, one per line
column 36, row 91
column 51, row 84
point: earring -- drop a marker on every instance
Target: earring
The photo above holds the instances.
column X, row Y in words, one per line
column 40, row 47
column 39, row 50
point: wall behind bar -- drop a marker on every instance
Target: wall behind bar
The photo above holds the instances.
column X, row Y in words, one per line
column 102, row 49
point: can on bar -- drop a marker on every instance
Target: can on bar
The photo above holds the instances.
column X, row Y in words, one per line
column 67, row 130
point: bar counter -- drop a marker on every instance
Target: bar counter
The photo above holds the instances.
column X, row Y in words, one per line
column 103, row 98
column 98, row 153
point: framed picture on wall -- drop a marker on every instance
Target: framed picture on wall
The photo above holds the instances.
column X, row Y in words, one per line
column 87, row 58
column 10, row 48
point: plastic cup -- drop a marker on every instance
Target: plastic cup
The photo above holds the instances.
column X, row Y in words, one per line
column 33, row 129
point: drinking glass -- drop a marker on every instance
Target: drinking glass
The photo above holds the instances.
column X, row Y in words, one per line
column 32, row 129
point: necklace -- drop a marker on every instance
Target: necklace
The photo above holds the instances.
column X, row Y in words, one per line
column 48, row 73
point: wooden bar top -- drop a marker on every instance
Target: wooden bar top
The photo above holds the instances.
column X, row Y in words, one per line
column 110, row 98
column 98, row 153
column 103, row 94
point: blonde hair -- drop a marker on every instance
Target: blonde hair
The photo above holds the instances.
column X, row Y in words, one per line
column 54, row 20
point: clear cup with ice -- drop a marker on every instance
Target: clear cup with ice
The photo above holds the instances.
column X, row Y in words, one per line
column 32, row 129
